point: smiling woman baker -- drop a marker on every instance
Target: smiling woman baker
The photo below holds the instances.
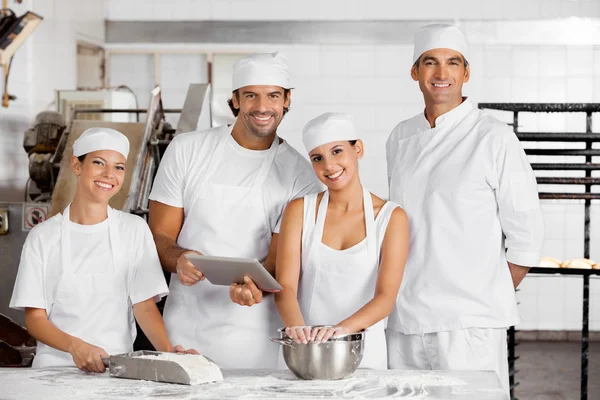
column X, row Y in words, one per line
column 341, row 252
column 84, row 271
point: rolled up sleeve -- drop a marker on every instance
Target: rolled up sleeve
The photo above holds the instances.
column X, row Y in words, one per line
column 519, row 208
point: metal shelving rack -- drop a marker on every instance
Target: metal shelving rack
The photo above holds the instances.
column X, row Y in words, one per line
column 588, row 138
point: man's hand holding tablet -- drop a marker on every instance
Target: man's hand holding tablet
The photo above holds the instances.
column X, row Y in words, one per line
column 228, row 271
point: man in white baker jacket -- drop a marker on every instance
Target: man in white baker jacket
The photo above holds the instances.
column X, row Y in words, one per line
column 221, row 192
column 475, row 220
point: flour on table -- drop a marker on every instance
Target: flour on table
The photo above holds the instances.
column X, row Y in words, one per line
column 199, row 369
column 72, row 384
column 360, row 385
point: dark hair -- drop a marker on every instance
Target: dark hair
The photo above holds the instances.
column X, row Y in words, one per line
column 81, row 158
column 416, row 64
column 352, row 142
column 236, row 93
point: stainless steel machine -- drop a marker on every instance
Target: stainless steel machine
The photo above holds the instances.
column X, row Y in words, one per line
column 52, row 184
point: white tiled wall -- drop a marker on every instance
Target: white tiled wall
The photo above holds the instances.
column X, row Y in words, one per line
column 555, row 303
column 134, row 70
column 192, row 10
column 176, row 72
column 45, row 63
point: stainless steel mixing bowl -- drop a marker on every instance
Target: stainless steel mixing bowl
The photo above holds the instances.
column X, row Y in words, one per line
column 330, row 360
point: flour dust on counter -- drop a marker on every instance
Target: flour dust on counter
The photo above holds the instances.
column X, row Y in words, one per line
column 71, row 384
column 361, row 384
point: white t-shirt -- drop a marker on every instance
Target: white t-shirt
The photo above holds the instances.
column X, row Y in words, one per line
column 40, row 265
column 243, row 170
column 187, row 156
column 90, row 248
column 471, row 199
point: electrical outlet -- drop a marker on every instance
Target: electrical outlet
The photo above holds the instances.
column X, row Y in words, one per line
column 3, row 221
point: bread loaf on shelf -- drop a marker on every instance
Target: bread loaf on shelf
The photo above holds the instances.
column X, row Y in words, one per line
column 549, row 262
column 582, row 263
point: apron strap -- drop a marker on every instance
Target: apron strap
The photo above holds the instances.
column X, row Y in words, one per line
column 119, row 257
column 65, row 241
column 213, row 163
column 320, row 223
column 267, row 163
column 370, row 224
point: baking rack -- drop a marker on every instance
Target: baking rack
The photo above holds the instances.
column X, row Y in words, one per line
column 588, row 138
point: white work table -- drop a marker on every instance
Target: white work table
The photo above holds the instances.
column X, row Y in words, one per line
column 70, row 383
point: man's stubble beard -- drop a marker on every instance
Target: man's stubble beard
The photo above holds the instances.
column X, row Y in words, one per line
column 258, row 132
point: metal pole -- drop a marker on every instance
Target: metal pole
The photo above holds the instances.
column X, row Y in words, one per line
column 584, row 337
column 586, row 277
column 588, row 189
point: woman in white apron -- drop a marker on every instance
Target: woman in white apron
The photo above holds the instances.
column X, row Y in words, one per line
column 84, row 275
column 341, row 252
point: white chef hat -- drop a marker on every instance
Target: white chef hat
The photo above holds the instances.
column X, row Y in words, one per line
column 327, row 128
column 440, row 36
column 267, row 69
column 94, row 139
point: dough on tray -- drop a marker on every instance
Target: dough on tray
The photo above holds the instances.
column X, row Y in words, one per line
column 199, row 369
column 582, row 263
column 549, row 262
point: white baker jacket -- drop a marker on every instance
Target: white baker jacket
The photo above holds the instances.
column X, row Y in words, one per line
column 471, row 199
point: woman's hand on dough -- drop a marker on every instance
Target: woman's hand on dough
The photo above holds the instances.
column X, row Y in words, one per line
column 180, row 350
column 323, row 334
column 87, row 357
column 300, row 334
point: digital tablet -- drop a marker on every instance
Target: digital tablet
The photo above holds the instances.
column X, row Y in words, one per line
column 227, row 270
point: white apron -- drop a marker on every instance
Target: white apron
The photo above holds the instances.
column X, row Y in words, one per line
column 93, row 307
column 336, row 283
column 228, row 221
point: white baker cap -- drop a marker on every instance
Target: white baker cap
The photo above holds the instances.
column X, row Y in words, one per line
column 267, row 69
column 440, row 36
column 95, row 139
column 327, row 128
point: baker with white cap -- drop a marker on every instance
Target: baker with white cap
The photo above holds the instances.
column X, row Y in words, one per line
column 341, row 252
column 475, row 220
column 221, row 192
column 87, row 273
column 95, row 139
